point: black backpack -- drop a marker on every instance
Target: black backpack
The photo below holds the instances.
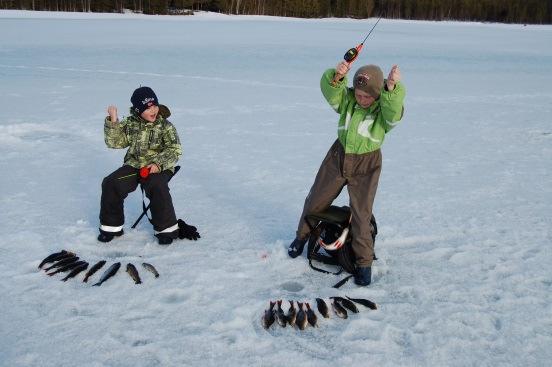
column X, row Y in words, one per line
column 329, row 226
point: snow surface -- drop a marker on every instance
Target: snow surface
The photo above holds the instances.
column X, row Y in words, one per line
column 464, row 202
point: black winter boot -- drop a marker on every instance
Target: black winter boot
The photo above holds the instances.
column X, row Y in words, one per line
column 108, row 236
column 363, row 275
column 296, row 247
column 166, row 238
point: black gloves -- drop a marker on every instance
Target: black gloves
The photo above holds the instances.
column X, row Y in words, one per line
column 187, row 231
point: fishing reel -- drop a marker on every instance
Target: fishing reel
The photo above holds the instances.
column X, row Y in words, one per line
column 352, row 54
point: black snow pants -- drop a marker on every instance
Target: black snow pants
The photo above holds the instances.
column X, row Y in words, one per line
column 116, row 187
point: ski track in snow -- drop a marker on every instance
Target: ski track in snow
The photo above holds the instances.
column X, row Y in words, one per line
column 463, row 276
column 156, row 75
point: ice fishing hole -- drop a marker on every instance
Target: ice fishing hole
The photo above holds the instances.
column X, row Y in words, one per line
column 292, row 286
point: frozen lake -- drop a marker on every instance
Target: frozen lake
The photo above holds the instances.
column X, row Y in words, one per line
column 463, row 206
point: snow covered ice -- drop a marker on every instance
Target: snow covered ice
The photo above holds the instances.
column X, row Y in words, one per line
column 463, row 206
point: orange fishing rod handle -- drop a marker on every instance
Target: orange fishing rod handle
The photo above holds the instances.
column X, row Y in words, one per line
column 337, row 77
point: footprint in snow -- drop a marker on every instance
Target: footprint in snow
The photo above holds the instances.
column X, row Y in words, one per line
column 174, row 296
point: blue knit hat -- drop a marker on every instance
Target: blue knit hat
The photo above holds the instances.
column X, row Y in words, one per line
column 142, row 99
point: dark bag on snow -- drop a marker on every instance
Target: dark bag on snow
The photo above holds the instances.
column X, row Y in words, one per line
column 330, row 226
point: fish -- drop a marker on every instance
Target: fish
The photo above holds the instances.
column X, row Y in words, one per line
column 93, row 269
column 338, row 309
column 76, row 270
column 311, row 316
column 365, row 302
column 62, row 262
column 268, row 316
column 301, row 320
column 322, row 308
column 131, row 270
column 52, row 258
column 347, row 304
column 291, row 314
column 280, row 316
column 111, row 271
column 67, row 267
column 151, row 268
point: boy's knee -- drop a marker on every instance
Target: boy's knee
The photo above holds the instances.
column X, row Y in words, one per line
column 108, row 182
column 156, row 183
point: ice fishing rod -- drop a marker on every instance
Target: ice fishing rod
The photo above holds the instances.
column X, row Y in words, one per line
column 352, row 54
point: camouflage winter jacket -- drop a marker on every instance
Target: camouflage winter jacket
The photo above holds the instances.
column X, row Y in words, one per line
column 362, row 130
column 148, row 142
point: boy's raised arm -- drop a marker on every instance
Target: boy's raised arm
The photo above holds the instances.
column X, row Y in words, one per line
column 335, row 94
column 114, row 132
column 392, row 98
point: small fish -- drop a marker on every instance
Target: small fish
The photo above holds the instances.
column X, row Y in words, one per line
column 111, row 271
column 301, row 320
column 268, row 317
column 280, row 316
column 67, row 267
column 339, row 310
column 364, row 302
column 93, row 269
column 131, row 270
column 322, row 308
column 62, row 262
column 76, row 270
column 311, row 316
column 291, row 314
column 151, row 268
column 52, row 258
column 347, row 304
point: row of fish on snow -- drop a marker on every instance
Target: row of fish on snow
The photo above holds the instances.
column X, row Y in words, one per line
column 66, row 261
column 305, row 315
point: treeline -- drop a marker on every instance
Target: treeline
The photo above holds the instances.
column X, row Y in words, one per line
column 506, row 11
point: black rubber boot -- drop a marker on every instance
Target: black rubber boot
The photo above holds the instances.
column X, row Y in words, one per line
column 108, row 236
column 363, row 275
column 166, row 238
column 296, row 247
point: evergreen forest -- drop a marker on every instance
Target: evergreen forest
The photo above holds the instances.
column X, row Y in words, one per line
column 503, row 11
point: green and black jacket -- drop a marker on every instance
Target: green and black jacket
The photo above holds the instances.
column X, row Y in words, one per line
column 362, row 130
column 147, row 142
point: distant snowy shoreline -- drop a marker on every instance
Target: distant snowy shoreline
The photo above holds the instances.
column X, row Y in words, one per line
column 202, row 15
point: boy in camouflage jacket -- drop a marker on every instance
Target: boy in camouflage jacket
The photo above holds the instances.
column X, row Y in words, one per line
column 367, row 112
column 153, row 143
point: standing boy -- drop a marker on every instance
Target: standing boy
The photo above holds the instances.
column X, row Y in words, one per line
column 153, row 150
column 367, row 112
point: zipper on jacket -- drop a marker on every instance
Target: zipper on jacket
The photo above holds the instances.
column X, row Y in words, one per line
column 150, row 138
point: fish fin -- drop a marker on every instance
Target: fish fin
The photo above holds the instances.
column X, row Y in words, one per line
column 342, row 281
